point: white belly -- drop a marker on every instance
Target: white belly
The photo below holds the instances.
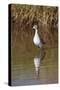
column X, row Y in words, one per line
column 37, row 40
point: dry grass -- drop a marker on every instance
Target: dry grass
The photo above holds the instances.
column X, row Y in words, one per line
column 24, row 16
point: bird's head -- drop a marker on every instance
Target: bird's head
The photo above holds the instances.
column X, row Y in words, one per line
column 34, row 27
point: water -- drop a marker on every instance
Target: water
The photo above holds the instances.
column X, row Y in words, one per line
column 29, row 68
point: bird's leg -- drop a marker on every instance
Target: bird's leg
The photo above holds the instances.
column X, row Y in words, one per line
column 42, row 53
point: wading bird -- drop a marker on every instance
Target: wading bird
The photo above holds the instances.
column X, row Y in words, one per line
column 36, row 38
column 38, row 42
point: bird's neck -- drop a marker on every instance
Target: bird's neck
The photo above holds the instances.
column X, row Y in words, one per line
column 36, row 31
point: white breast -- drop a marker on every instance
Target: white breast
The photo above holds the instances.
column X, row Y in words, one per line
column 36, row 39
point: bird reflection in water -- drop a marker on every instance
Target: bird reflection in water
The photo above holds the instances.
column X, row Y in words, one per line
column 37, row 61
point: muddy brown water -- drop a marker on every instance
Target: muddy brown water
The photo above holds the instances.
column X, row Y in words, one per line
column 24, row 70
